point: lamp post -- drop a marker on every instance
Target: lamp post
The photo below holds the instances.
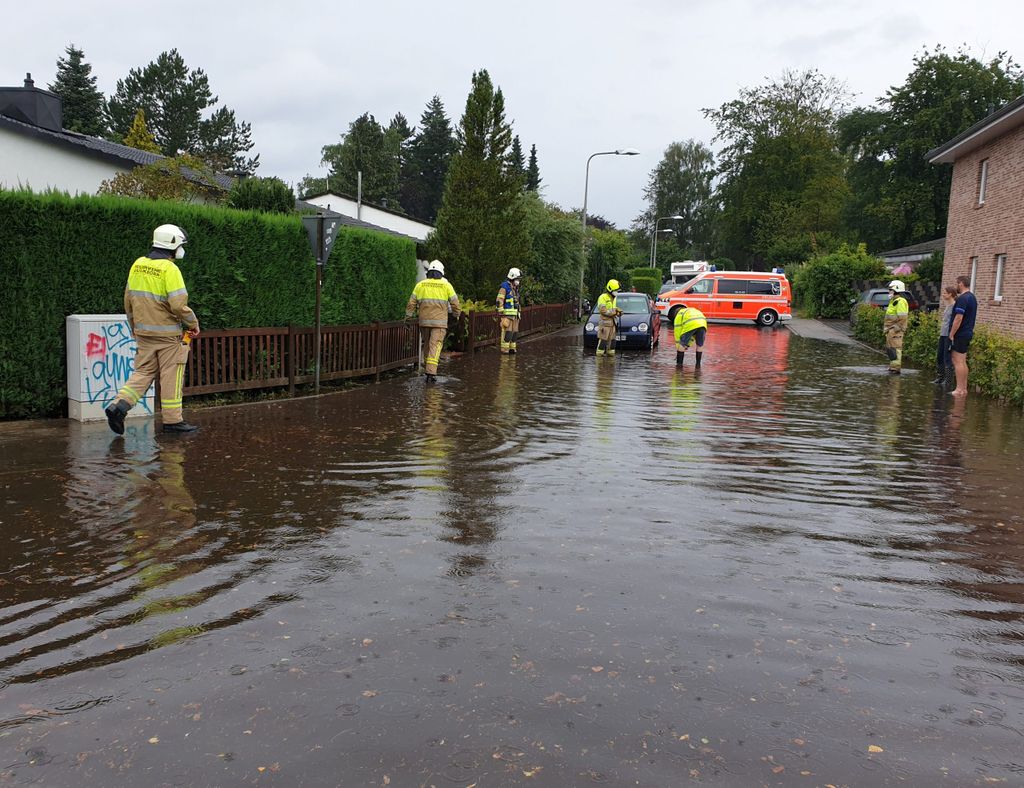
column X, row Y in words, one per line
column 586, row 187
column 654, row 237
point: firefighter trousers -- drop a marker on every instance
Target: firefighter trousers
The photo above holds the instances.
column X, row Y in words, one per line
column 162, row 357
column 433, row 340
column 509, row 333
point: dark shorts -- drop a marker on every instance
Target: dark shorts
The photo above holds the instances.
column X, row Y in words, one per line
column 699, row 333
column 961, row 342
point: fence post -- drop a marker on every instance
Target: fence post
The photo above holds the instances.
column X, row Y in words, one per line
column 378, row 336
column 289, row 360
column 471, row 337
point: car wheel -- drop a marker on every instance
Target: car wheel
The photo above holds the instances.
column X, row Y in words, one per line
column 767, row 317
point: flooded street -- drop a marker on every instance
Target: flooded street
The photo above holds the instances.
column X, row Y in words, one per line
column 786, row 569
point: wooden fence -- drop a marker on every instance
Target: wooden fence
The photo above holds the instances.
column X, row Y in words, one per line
column 259, row 358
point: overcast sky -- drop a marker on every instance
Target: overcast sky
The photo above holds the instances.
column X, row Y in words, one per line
column 578, row 77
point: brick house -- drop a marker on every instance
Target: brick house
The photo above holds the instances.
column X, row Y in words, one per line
column 985, row 232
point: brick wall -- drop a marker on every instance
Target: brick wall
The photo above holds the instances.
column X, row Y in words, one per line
column 984, row 231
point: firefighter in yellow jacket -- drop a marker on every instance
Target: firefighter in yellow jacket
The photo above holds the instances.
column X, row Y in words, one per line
column 432, row 298
column 607, row 327
column 689, row 324
column 162, row 323
column 897, row 316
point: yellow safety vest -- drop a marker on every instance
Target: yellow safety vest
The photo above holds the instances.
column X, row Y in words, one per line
column 606, row 307
column 689, row 319
column 156, row 300
column 431, row 298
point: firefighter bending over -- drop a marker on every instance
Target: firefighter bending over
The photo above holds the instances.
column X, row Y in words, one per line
column 432, row 298
column 897, row 316
column 689, row 324
column 509, row 308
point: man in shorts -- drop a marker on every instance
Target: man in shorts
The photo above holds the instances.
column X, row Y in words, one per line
column 961, row 331
column 689, row 325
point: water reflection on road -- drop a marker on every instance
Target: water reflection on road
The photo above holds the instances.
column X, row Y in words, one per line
column 551, row 568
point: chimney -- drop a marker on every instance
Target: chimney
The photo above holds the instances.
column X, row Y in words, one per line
column 32, row 105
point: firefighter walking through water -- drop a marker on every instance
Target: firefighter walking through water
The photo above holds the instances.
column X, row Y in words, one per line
column 897, row 316
column 689, row 324
column 432, row 298
column 156, row 303
column 509, row 306
column 606, row 328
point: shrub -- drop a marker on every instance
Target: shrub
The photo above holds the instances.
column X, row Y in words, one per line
column 70, row 255
column 930, row 270
column 996, row 361
column 723, row 264
column 270, row 195
column 647, row 284
column 823, row 285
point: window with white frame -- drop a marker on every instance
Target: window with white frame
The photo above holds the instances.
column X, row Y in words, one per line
column 1000, row 265
column 982, row 181
column 974, row 271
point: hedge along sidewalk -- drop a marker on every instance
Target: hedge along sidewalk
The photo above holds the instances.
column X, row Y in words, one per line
column 996, row 361
column 66, row 255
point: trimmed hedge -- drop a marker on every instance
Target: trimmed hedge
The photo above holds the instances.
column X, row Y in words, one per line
column 645, row 280
column 996, row 361
column 65, row 255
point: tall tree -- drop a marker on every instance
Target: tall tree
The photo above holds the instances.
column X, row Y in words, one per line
column 682, row 185
column 533, row 171
column 430, row 153
column 175, row 100
column 783, row 177
column 139, row 136
column 516, row 161
column 481, row 226
column 82, row 100
column 374, row 151
column 898, row 197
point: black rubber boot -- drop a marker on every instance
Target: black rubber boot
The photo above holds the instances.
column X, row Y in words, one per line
column 116, row 411
column 431, row 378
column 180, row 426
column 679, row 358
column 699, row 354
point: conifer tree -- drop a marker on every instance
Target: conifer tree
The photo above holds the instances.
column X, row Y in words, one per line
column 139, row 135
column 516, row 160
column 481, row 226
column 76, row 86
column 533, row 172
column 430, row 153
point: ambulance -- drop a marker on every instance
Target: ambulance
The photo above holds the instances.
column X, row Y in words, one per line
column 762, row 298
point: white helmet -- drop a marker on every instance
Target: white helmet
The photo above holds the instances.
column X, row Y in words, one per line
column 168, row 236
column 436, row 265
column 514, row 273
column 897, row 286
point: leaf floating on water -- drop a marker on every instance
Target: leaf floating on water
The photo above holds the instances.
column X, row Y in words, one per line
column 367, row 641
column 531, row 772
column 875, row 748
column 154, row 740
column 778, row 769
column 369, row 693
column 597, row 669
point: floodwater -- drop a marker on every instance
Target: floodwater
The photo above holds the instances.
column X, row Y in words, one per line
column 551, row 569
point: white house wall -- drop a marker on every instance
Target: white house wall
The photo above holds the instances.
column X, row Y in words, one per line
column 25, row 161
column 390, row 221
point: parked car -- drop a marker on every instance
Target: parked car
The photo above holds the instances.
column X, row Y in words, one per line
column 639, row 324
column 763, row 298
column 878, row 296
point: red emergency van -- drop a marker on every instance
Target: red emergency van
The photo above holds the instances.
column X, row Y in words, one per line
column 762, row 298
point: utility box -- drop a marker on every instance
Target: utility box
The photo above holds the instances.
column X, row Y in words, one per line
column 101, row 358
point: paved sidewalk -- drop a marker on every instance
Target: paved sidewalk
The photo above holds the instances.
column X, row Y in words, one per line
column 819, row 329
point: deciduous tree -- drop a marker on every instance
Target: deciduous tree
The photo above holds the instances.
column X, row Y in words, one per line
column 185, row 178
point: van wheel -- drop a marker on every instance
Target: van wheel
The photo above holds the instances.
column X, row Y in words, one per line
column 767, row 317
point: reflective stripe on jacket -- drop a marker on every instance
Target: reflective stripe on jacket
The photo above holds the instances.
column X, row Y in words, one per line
column 155, row 300
column 606, row 307
column 897, row 314
column 508, row 300
column 689, row 319
column 431, row 298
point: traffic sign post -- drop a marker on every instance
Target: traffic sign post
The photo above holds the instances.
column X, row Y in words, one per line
column 321, row 231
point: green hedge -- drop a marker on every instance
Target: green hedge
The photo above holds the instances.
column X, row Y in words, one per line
column 647, row 284
column 65, row 255
column 996, row 361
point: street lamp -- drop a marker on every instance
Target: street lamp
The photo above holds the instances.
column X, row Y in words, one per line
column 654, row 237
column 586, row 187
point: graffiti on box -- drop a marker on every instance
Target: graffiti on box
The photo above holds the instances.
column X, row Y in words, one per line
column 110, row 356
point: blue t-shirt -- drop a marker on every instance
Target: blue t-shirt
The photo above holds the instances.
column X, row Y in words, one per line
column 966, row 305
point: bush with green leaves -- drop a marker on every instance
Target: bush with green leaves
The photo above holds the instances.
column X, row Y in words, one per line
column 930, row 270
column 646, row 284
column 723, row 264
column 269, row 195
column 823, row 286
column 996, row 361
column 70, row 255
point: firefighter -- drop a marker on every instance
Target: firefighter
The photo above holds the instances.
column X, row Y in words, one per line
column 433, row 297
column 156, row 303
column 689, row 324
column 508, row 304
column 897, row 315
column 607, row 326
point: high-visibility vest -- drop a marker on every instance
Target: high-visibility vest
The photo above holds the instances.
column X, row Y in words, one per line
column 432, row 299
column 508, row 300
column 606, row 306
column 688, row 319
column 156, row 300
column 897, row 314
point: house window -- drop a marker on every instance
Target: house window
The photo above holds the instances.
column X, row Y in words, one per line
column 982, row 181
column 1000, row 265
column 974, row 271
